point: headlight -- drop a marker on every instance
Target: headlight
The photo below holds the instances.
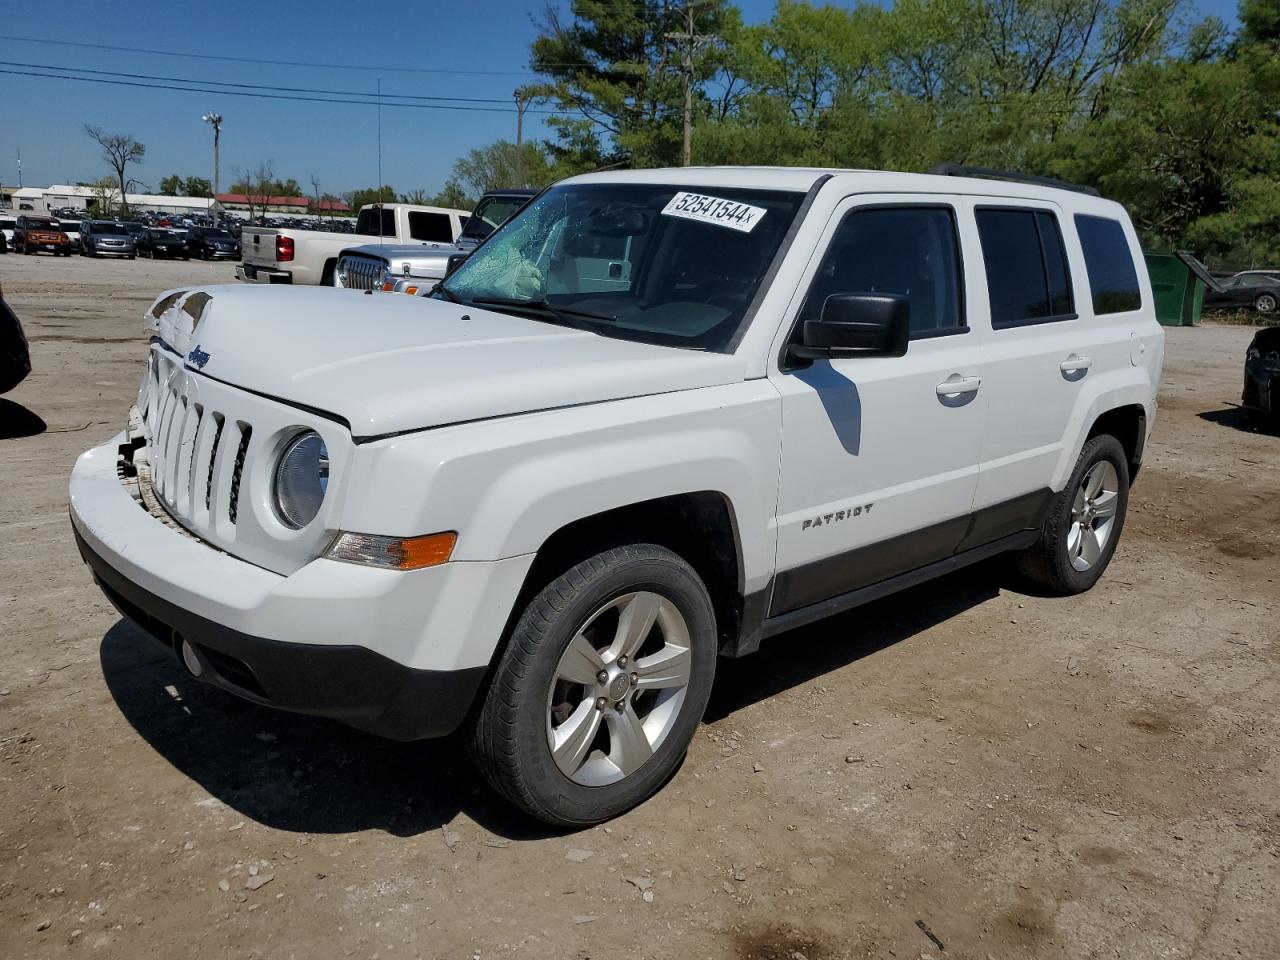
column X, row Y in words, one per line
column 301, row 478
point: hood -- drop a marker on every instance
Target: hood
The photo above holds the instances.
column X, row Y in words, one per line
column 425, row 260
column 392, row 364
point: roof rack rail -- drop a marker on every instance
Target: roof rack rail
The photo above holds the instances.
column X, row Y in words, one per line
column 961, row 170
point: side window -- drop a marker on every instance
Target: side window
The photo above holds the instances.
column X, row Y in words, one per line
column 430, row 227
column 1112, row 277
column 910, row 251
column 1028, row 280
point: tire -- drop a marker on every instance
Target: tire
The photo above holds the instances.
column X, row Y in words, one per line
column 529, row 699
column 1066, row 564
column 1265, row 303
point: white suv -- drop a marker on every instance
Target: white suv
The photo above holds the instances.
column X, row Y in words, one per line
column 656, row 418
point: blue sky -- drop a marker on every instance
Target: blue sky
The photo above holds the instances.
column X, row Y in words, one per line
column 44, row 118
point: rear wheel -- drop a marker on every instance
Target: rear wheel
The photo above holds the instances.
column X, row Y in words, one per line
column 1079, row 535
column 1265, row 303
column 601, row 687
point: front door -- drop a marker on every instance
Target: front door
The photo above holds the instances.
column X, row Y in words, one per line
column 880, row 455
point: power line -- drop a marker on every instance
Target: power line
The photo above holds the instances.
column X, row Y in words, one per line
column 248, row 86
column 274, row 63
column 265, row 96
column 285, row 63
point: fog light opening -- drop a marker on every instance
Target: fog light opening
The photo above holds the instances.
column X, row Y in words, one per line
column 190, row 659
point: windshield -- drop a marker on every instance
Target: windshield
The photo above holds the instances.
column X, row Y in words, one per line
column 491, row 214
column 654, row 263
column 41, row 225
column 218, row 235
column 110, row 230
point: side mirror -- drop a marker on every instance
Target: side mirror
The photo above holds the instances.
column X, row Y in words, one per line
column 857, row 325
column 454, row 262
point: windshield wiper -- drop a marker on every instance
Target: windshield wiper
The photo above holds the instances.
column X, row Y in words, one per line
column 544, row 305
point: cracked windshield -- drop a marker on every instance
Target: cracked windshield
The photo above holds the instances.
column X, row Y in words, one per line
column 659, row 264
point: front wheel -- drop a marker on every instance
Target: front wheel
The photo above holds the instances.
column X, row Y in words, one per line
column 601, row 687
column 1265, row 303
column 1079, row 535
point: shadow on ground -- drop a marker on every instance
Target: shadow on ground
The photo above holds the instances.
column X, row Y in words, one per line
column 313, row 775
column 16, row 421
column 1238, row 418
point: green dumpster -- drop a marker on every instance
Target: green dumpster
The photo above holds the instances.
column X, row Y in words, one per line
column 1178, row 281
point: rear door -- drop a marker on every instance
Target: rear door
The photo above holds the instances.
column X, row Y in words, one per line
column 1044, row 346
column 880, row 455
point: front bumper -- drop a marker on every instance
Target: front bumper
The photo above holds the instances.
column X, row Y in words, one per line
column 115, row 251
column 254, row 274
column 1262, row 385
column 376, row 649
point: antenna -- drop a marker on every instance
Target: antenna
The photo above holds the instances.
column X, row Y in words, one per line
column 381, row 231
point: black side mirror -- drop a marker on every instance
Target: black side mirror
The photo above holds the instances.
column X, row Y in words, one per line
column 857, row 325
column 454, row 262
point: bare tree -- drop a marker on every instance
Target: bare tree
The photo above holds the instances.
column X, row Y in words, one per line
column 119, row 150
column 257, row 184
column 315, row 186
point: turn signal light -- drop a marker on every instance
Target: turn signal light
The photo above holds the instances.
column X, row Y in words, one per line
column 411, row 291
column 393, row 553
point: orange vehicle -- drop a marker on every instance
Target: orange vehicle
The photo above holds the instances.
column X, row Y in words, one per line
column 33, row 234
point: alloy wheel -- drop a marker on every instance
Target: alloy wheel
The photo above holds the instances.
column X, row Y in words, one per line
column 618, row 688
column 1093, row 515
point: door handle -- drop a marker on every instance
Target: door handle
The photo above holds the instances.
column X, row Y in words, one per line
column 955, row 385
column 1075, row 364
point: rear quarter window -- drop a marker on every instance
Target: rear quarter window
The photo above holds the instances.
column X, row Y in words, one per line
column 1113, row 280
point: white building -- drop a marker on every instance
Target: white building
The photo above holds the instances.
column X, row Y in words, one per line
column 44, row 199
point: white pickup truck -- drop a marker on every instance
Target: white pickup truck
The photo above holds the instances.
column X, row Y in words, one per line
column 541, row 503
column 284, row 255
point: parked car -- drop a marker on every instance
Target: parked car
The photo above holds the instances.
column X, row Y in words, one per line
column 15, row 358
column 106, row 238
column 33, row 234
column 543, row 502
column 290, row 255
column 6, row 233
column 1262, row 376
column 162, row 245
column 1257, row 291
column 72, row 229
column 415, row 267
column 212, row 243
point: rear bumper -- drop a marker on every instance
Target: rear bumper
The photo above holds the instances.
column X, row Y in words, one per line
column 250, row 273
column 348, row 683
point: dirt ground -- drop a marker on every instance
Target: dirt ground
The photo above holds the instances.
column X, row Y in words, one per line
column 964, row 770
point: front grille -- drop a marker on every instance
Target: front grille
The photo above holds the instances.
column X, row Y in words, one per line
column 233, row 505
column 199, row 449
column 357, row 272
column 185, row 448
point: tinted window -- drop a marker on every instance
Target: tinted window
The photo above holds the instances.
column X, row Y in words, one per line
column 431, row 227
column 1112, row 277
column 1056, row 272
column 1028, row 280
column 371, row 224
column 904, row 250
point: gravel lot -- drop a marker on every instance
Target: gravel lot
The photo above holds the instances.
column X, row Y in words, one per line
column 964, row 765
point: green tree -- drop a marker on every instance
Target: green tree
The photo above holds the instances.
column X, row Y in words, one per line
column 502, row 165
column 366, row 195
column 197, row 187
column 171, row 186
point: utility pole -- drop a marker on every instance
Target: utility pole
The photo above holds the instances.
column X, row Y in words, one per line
column 216, row 122
column 691, row 41
column 521, row 103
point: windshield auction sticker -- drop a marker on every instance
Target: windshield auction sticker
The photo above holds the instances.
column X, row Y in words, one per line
column 724, row 213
